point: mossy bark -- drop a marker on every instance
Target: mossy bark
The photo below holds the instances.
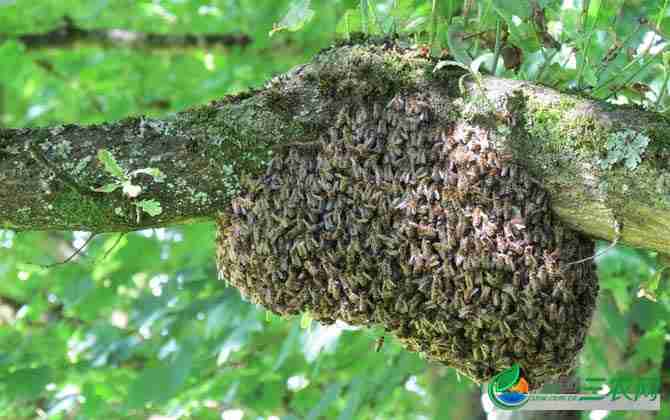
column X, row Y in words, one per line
column 607, row 168
column 604, row 166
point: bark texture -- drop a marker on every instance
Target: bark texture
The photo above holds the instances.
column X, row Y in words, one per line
column 604, row 166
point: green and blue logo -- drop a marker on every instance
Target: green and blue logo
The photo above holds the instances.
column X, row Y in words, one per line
column 509, row 389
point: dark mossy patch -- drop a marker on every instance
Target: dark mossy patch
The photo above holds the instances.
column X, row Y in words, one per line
column 659, row 147
column 72, row 208
column 236, row 98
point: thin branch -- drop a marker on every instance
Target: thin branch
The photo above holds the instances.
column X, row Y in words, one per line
column 70, row 34
column 615, row 50
column 116, row 243
column 73, row 255
column 615, row 242
column 49, row 68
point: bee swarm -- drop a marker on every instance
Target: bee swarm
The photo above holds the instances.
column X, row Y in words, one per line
column 394, row 219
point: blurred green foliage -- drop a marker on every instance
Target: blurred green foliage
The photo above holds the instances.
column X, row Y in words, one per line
column 139, row 326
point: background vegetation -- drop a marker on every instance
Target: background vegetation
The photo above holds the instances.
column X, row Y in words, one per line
column 138, row 326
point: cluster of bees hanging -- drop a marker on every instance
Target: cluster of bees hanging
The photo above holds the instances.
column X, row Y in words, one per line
column 393, row 218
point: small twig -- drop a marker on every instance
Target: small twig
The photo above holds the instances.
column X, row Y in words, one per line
column 474, row 34
column 49, row 68
column 617, row 231
column 638, row 59
column 116, row 243
column 74, row 254
column 631, row 77
column 614, row 52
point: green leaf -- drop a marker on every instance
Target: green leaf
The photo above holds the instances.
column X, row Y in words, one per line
column 305, row 320
column 485, row 59
column 76, row 290
column 151, row 207
column 457, row 45
column 111, row 165
column 288, row 346
column 365, row 13
column 355, row 396
column 416, row 24
column 614, row 320
column 618, row 286
column 509, row 8
column 593, row 12
column 650, row 346
column 94, row 403
column 652, row 284
column 298, row 15
column 329, row 396
column 507, row 378
column 523, row 36
column 151, row 386
column 159, row 383
column 13, row 54
column 350, row 22
column 647, row 314
column 108, row 188
column 28, row 383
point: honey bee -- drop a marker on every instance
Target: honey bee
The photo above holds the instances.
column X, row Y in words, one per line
column 409, row 205
column 397, row 103
column 361, row 115
column 343, row 118
column 334, row 288
column 379, row 343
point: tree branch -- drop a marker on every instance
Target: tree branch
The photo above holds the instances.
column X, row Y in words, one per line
column 604, row 166
column 70, row 34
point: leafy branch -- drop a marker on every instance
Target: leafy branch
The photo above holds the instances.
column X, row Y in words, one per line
column 124, row 179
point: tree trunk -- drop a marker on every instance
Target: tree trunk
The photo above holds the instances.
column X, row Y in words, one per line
column 605, row 167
